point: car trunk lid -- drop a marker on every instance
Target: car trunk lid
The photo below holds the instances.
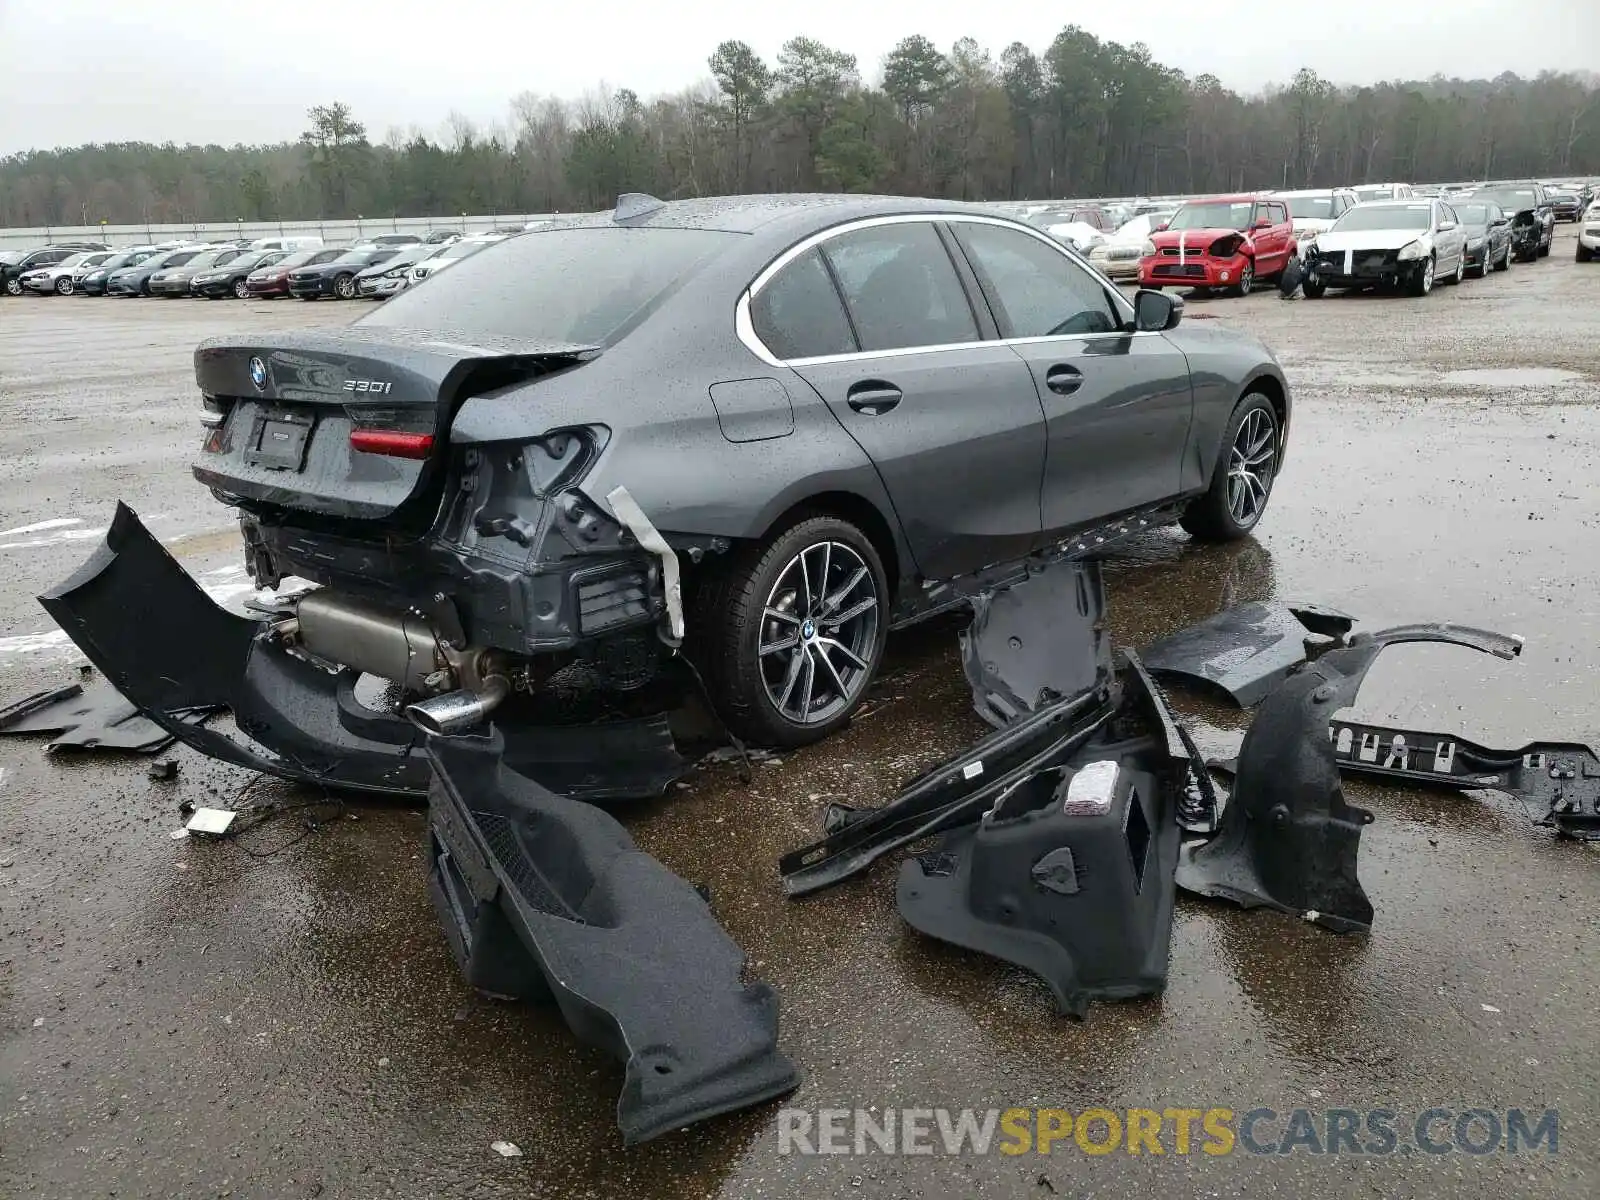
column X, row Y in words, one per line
column 348, row 423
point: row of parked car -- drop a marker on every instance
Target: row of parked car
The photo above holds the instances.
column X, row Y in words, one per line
column 302, row 267
column 1389, row 235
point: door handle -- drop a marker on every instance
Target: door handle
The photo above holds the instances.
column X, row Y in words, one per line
column 873, row 397
column 1063, row 380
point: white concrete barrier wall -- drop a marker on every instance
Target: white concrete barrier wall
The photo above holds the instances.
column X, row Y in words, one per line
column 332, row 232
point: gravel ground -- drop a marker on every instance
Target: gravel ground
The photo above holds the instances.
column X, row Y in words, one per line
column 277, row 1015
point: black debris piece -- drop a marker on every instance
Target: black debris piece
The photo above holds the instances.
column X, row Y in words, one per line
column 1249, row 649
column 1037, row 641
column 99, row 719
column 299, row 721
column 954, row 793
column 544, row 899
column 1288, row 840
column 1069, row 875
column 1558, row 782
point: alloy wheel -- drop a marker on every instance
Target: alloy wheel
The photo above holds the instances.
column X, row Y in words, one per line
column 1427, row 276
column 1250, row 463
column 819, row 631
column 241, row 290
column 1247, row 279
column 1461, row 266
column 13, row 286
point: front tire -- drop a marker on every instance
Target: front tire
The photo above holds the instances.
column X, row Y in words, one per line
column 1241, row 481
column 14, row 286
column 1461, row 268
column 1422, row 281
column 344, row 287
column 1247, row 280
column 241, row 290
column 64, row 286
column 1584, row 253
column 790, row 633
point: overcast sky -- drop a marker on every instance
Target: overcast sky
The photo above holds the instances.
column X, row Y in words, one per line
column 245, row 70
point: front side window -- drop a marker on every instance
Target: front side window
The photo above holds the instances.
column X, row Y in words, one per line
column 1034, row 290
column 900, row 287
column 799, row 314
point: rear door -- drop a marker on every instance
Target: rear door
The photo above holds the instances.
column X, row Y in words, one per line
column 950, row 420
column 1117, row 404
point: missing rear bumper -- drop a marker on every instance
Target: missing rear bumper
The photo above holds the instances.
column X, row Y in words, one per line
column 167, row 647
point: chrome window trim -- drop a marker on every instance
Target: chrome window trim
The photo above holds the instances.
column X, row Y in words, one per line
column 744, row 326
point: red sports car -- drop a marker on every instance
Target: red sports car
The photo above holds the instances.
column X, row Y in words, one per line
column 1224, row 242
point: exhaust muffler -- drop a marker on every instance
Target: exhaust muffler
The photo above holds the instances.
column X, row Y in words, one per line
column 457, row 712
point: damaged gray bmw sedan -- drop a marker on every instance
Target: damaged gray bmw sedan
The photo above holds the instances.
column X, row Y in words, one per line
column 757, row 433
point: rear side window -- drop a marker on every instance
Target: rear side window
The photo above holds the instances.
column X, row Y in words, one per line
column 799, row 315
column 900, row 287
column 1035, row 290
column 578, row 285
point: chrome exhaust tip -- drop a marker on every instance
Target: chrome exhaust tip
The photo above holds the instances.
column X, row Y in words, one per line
column 457, row 712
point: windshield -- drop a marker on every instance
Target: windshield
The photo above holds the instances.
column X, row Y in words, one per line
column 179, row 257
column 1385, row 216
column 1213, row 214
column 583, row 285
column 298, row 259
column 1515, row 198
column 1472, row 214
column 1317, row 207
column 201, row 261
column 461, row 250
column 72, row 260
column 357, row 258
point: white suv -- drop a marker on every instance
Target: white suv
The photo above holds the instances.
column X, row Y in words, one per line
column 1589, row 235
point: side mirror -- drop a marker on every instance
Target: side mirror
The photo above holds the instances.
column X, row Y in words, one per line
column 1155, row 311
column 1446, row 226
column 1161, row 228
column 1263, row 223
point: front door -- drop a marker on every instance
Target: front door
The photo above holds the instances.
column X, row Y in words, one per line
column 1117, row 404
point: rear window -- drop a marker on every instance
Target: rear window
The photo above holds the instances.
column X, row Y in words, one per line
column 578, row 285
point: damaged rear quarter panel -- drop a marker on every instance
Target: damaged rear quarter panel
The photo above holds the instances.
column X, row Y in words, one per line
column 669, row 448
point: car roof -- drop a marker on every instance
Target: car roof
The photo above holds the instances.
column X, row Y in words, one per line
column 746, row 214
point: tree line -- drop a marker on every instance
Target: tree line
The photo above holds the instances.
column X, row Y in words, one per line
column 1085, row 117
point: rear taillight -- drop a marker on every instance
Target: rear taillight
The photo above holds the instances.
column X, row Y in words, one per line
column 391, row 442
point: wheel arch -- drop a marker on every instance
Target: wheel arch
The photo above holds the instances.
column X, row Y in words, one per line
column 1276, row 391
column 860, row 512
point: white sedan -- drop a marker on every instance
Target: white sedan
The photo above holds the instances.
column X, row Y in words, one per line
column 1117, row 257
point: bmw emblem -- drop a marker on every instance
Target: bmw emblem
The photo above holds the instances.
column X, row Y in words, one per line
column 258, row 374
column 808, row 630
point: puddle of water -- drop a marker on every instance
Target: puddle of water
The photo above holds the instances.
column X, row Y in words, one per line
column 1512, row 377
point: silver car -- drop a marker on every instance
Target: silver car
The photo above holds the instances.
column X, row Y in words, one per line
column 1388, row 244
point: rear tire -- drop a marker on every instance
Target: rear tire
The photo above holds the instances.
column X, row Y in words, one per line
column 1250, row 447
column 775, row 593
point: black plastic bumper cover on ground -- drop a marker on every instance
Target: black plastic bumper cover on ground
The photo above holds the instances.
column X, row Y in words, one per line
column 1288, row 840
column 543, row 898
column 167, row 647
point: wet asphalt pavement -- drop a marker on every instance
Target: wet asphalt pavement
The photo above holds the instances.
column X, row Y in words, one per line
column 278, row 1015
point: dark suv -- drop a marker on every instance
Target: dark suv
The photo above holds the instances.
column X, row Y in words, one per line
column 760, row 431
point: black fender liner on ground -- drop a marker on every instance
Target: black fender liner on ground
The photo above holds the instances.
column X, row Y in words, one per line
column 167, row 647
column 542, row 897
column 1287, row 839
